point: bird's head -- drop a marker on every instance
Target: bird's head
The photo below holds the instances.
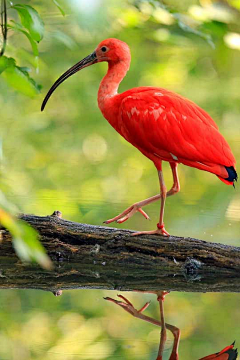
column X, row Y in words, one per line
column 110, row 50
column 113, row 51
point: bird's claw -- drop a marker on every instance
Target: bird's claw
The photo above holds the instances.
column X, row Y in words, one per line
column 127, row 305
column 125, row 215
column 131, row 213
column 162, row 232
column 161, row 295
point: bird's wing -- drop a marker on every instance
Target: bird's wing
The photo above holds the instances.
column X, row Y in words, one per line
column 161, row 122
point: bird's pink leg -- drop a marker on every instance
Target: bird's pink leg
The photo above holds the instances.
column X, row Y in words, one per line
column 176, row 184
column 163, row 335
column 137, row 207
column 160, row 226
column 176, row 333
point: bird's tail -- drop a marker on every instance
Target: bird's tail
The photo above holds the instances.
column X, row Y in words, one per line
column 226, row 174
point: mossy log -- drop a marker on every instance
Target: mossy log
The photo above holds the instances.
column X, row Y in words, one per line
column 87, row 256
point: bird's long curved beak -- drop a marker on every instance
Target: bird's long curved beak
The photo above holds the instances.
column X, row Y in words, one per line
column 87, row 61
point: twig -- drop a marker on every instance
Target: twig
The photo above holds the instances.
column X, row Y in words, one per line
column 3, row 25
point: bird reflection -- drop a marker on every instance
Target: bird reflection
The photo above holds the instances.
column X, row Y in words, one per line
column 228, row 353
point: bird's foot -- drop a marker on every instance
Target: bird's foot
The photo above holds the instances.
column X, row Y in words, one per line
column 126, row 214
column 161, row 295
column 127, row 305
column 159, row 231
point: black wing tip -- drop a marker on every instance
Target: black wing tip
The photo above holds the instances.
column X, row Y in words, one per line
column 235, row 355
column 233, row 352
column 232, row 174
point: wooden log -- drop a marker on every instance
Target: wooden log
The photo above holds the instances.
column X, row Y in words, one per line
column 87, row 256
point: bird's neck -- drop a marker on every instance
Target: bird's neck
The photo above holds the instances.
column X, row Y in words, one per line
column 109, row 85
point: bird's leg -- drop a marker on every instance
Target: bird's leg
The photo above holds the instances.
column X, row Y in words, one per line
column 160, row 226
column 163, row 334
column 174, row 330
column 176, row 333
column 176, row 184
column 163, row 191
column 128, row 306
column 137, row 207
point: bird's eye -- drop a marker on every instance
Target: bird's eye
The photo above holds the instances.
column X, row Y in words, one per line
column 104, row 49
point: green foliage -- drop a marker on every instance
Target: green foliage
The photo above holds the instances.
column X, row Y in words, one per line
column 18, row 77
column 26, row 244
column 32, row 27
column 31, row 20
column 59, row 7
column 18, row 27
column 184, row 21
column 25, row 238
column 5, row 63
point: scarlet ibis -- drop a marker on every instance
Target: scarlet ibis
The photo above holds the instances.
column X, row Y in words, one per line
column 163, row 125
column 228, row 353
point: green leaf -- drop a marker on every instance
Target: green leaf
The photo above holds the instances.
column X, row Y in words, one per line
column 25, row 240
column 31, row 20
column 6, row 62
column 18, row 27
column 18, row 77
column 187, row 28
column 25, row 72
column 21, row 82
column 59, row 7
column 27, row 245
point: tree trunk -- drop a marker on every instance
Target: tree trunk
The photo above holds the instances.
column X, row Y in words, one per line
column 87, row 256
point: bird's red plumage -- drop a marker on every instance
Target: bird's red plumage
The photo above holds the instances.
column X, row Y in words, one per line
column 166, row 126
column 161, row 124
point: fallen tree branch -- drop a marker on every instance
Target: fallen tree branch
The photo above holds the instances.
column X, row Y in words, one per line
column 87, row 256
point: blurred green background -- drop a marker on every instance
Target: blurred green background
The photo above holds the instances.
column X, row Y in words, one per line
column 70, row 159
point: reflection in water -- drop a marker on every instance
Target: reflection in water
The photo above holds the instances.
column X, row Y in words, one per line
column 35, row 325
column 228, row 353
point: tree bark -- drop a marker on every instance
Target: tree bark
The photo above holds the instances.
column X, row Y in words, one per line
column 87, row 256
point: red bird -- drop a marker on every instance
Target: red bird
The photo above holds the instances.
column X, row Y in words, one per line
column 163, row 125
